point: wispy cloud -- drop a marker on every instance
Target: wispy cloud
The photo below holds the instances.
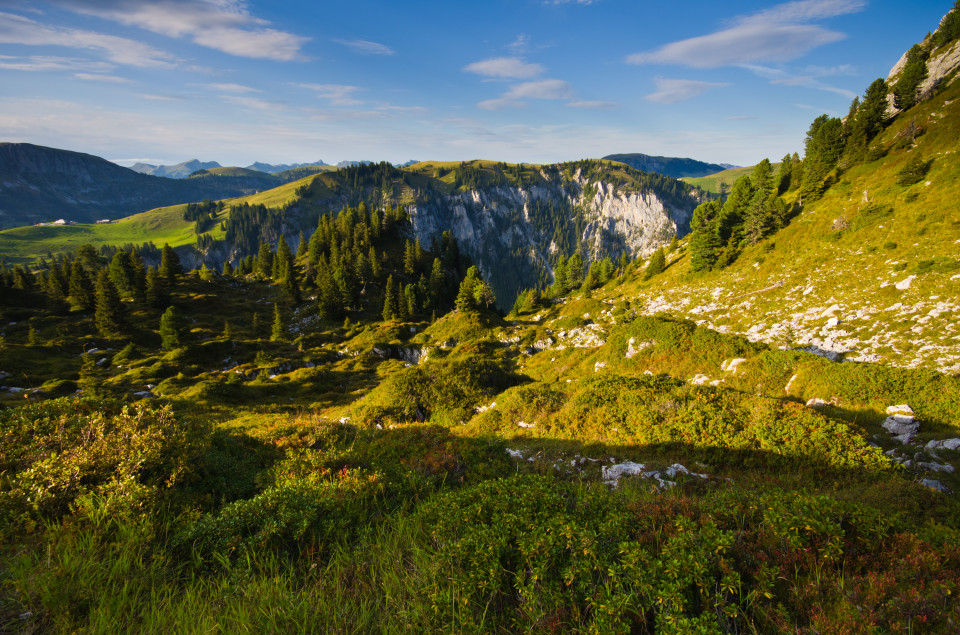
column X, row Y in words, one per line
column 224, row 25
column 808, row 79
column 520, row 45
column 548, row 89
column 48, row 63
column 505, row 68
column 598, row 105
column 367, row 48
column 96, row 77
column 160, row 97
column 15, row 29
column 234, row 88
column 778, row 34
column 337, row 94
column 672, row 91
column 252, row 103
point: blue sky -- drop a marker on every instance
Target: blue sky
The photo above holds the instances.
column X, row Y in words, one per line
column 516, row 80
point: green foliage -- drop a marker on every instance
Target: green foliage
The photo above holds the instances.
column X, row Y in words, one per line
column 914, row 171
column 109, row 312
column 914, row 72
column 171, row 328
column 442, row 391
column 657, row 264
column 64, row 450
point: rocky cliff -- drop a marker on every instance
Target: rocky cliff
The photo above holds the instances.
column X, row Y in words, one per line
column 515, row 232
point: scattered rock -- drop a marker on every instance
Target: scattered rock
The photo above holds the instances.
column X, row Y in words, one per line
column 904, row 284
column 833, row 321
column 900, row 424
column 699, row 380
column 730, row 366
column 934, row 484
column 612, row 474
column 598, row 366
column 524, row 424
column 829, row 312
column 817, row 402
column 944, row 444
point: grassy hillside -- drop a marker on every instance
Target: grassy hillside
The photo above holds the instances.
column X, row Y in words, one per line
column 852, row 248
column 727, row 178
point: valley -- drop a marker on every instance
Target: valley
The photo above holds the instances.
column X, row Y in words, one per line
column 477, row 396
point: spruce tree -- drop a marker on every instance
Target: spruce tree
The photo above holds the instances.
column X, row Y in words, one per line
column 657, row 264
column 156, row 291
column 559, row 286
column 704, row 241
column 108, row 312
column 574, row 271
column 171, row 328
column 389, row 301
column 170, row 266
column 81, row 289
column 277, row 333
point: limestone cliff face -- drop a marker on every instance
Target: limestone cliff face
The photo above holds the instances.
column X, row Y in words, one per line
column 940, row 65
column 511, row 232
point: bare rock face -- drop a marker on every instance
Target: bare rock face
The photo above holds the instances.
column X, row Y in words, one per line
column 514, row 227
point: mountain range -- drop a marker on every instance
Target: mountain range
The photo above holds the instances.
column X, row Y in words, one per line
column 669, row 166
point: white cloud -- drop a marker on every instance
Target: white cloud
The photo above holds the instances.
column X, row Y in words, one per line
column 49, row 63
column 337, row 94
column 505, row 68
column 234, row 88
column 671, row 91
column 96, row 77
column 252, row 103
column 224, row 25
column 549, row 89
column 809, row 79
column 160, row 97
column 520, row 45
column 778, row 34
column 598, row 105
column 367, row 48
column 15, row 29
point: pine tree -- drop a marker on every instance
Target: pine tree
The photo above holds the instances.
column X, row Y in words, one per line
column 264, row 268
column 81, row 289
column 913, row 73
column 657, row 264
column 302, row 245
column 277, row 333
column 559, row 286
column 389, row 301
column 171, row 328
column 466, row 296
column 227, row 268
column 409, row 259
column 170, row 266
column 704, row 241
column 121, row 273
column 108, row 312
column 156, row 292
column 574, row 271
column 227, row 331
column 92, row 376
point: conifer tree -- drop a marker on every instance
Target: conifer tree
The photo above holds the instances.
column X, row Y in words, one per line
column 264, row 268
column 704, row 241
column 302, row 246
column 277, row 333
column 108, row 312
column 92, row 376
column 171, row 328
column 121, row 273
column 156, row 291
column 574, row 271
column 170, row 266
column 81, row 289
column 657, row 264
column 389, row 301
column 227, row 268
column 559, row 286
column 227, row 331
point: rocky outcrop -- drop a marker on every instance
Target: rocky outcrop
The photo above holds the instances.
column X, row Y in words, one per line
column 510, row 231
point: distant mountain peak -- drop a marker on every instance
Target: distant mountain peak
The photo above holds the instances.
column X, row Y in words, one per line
column 271, row 168
column 178, row 171
column 669, row 166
